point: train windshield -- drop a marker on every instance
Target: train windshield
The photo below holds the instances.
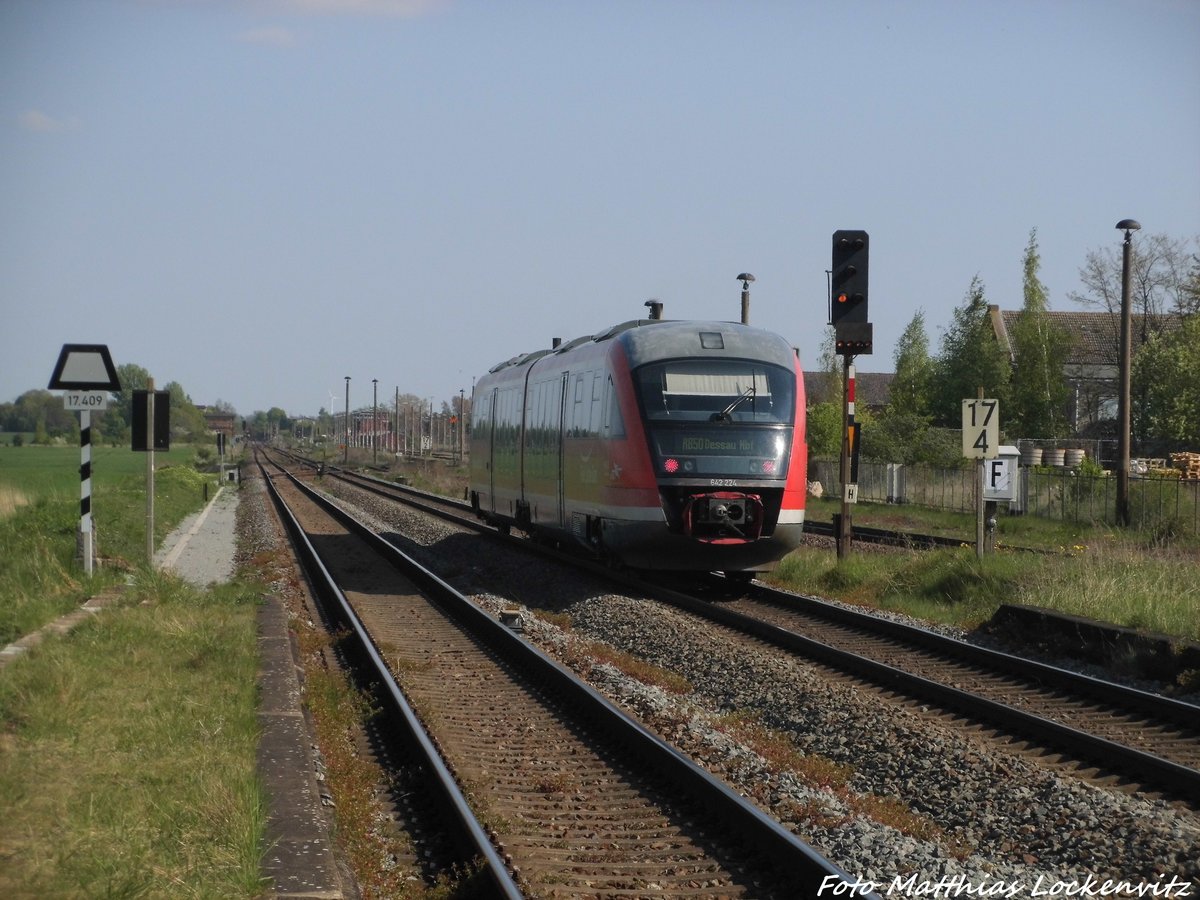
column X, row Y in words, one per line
column 717, row 390
column 718, row 417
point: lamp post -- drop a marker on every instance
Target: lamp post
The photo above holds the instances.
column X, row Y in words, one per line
column 745, row 278
column 346, row 430
column 374, row 421
column 1129, row 226
column 462, row 424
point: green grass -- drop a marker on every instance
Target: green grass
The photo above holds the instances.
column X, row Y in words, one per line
column 46, row 470
column 1024, row 531
column 1129, row 579
column 127, row 752
column 39, row 517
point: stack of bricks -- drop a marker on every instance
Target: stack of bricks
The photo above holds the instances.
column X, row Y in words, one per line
column 1188, row 464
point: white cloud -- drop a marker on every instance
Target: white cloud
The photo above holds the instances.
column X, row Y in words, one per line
column 273, row 35
column 396, row 8
column 37, row 121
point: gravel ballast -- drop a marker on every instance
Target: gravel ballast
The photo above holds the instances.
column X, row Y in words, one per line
column 1007, row 825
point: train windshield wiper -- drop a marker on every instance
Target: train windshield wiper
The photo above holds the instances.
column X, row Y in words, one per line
column 726, row 413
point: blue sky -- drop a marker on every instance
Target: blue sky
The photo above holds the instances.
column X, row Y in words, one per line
column 256, row 198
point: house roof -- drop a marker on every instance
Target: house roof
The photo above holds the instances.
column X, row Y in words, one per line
column 870, row 388
column 1096, row 334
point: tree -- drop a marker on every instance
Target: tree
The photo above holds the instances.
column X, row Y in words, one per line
column 117, row 422
column 1164, row 372
column 899, row 433
column 1190, row 301
column 831, row 364
column 823, row 430
column 186, row 421
column 1162, row 278
column 970, row 358
column 1039, row 388
column 260, row 425
column 909, row 392
column 278, row 421
column 41, row 412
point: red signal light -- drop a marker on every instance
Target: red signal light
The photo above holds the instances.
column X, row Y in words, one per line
column 671, row 466
column 768, row 466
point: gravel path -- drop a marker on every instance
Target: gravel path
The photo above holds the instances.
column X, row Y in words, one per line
column 202, row 549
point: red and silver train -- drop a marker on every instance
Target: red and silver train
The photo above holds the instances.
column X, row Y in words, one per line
column 672, row 445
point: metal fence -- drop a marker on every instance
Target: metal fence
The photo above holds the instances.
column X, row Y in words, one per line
column 1051, row 492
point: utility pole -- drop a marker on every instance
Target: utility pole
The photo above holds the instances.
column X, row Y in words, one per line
column 462, row 424
column 1124, row 425
column 346, row 430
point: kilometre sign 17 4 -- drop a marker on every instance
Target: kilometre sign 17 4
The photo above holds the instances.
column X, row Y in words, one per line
column 93, row 400
column 981, row 429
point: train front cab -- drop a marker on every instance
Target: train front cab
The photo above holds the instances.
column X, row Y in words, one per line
column 724, row 439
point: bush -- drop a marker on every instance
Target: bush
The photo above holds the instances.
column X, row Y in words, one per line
column 824, row 430
column 204, row 459
column 896, row 438
column 1168, row 531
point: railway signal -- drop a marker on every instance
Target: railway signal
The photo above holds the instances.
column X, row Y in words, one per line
column 848, row 305
column 852, row 337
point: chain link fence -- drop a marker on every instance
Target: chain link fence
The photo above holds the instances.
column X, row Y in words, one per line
column 1057, row 492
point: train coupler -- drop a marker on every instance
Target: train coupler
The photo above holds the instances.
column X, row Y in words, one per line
column 724, row 517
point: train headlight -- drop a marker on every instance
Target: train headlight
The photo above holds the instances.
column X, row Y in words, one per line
column 674, row 465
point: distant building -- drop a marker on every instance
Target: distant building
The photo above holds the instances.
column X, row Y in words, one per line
column 1091, row 365
column 871, row 389
column 219, row 422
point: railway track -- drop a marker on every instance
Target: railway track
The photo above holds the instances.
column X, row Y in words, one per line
column 1102, row 731
column 867, row 535
column 559, row 793
column 1112, row 732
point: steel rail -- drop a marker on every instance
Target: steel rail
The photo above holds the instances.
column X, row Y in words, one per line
column 1131, row 698
column 804, row 865
column 869, row 535
column 471, row 834
column 1177, row 778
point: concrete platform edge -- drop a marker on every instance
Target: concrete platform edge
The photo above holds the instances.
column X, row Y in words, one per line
column 299, row 858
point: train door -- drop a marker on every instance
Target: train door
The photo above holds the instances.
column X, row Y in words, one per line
column 491, row 450
column 562, row 443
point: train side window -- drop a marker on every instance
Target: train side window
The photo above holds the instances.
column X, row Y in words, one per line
column 614, row 425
